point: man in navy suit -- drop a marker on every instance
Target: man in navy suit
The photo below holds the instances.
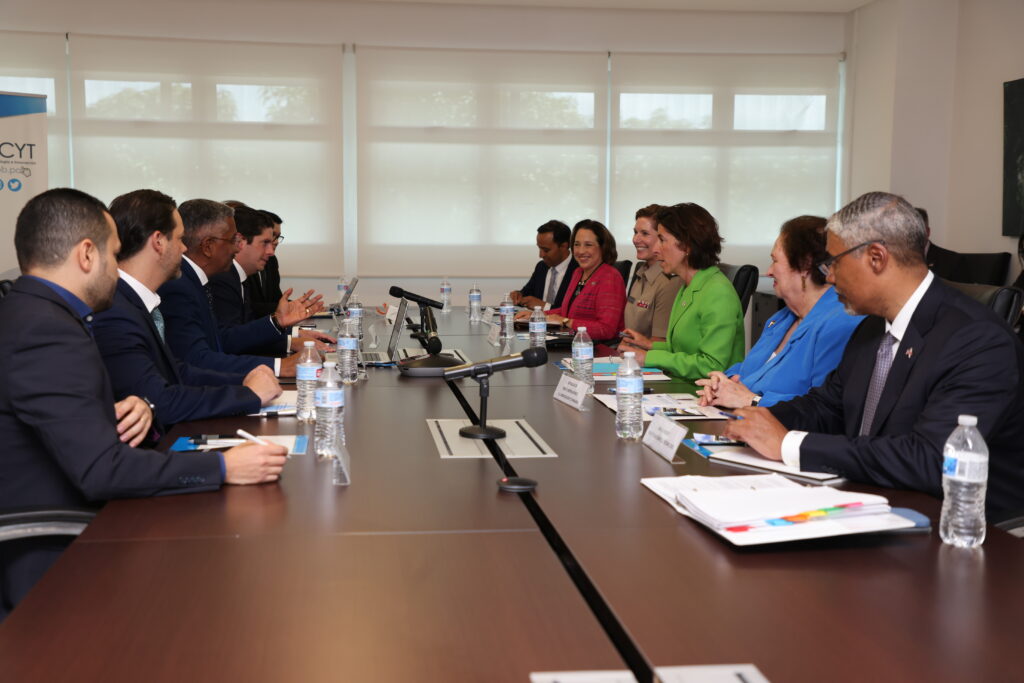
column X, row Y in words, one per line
column 211, row 242
column 926, row 354
column 66, row 443
column 130, row 335
column 546, row 287
column 232, row 291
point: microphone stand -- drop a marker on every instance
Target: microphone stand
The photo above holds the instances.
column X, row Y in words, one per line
column 482, row 431
column 432, row 365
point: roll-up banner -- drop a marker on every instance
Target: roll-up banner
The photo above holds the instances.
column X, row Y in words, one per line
column 22, row 163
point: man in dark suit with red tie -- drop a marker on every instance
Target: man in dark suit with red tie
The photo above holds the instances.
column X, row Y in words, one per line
column 925, row 355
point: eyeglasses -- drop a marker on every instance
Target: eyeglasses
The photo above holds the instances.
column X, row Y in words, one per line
column 236, row 238
column 825, row 267
column 278, row 240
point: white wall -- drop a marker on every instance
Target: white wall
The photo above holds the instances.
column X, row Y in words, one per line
column 989, row 53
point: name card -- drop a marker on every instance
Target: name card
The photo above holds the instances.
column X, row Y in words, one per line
column 663, row 436
column 572, row 391
column 493, row 334
column 488, row 314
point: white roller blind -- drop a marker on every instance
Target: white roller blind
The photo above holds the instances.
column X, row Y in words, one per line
column 463, row 154
column 259, row 123
column 35, row 63
column 752, row 138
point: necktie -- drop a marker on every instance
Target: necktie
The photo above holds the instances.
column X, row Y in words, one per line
column 883, row 361
column 550, row 297
column 158, row 320
column 209, row 295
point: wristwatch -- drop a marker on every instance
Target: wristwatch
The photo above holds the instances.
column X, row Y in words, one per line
column 565, row 322
column 757, row 399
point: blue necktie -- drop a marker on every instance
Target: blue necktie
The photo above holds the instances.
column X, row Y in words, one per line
column 158, row 320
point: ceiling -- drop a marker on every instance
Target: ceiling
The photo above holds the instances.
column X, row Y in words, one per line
column 702, row 5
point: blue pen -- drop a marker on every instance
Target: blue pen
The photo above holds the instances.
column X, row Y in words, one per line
column 731, row 416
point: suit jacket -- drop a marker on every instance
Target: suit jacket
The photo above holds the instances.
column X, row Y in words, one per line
column 811, row 353
column 705, row 330
column 240, row 331
column 191, row 329
column 600, row 305
column 538, row 283
column 265, row 289
column 957, row 357
column 57, row 420
column 140, row 363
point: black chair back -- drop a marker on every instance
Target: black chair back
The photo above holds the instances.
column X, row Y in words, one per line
column 624, row 267
column 744, row 279
column 5, row 286
column 1005, row 301
column 984, row 269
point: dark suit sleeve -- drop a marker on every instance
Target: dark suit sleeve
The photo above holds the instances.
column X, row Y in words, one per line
column 237, row 334
column 265, row 302
column 974, row 371
column 128, row 356
column 535, row 285
column 53, row 384
column 187, row 335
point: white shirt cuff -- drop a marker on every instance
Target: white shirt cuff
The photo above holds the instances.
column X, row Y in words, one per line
column 791, row 448
column 547, row 307
column 295, row 332
column 277, row 367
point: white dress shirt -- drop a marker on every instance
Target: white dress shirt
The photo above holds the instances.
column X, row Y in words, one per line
column 150, row 299
column 558, row 272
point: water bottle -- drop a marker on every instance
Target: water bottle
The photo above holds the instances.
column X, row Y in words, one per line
column 475, row 310
column 307, row 371
column 329, row 397
column 629, row 391
column 964, row 481
column 538, row 328
column 348, row 353
column 507, row 314
column 342, row 288
column 446, row 296
column 355, row 315
column 583, row 358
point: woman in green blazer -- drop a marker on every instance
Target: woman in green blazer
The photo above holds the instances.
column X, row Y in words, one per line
column 705, row 329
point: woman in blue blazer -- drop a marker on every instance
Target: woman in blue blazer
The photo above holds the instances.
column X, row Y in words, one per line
column 801, row 343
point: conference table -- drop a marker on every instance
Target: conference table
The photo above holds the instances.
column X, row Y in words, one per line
column 423, row 570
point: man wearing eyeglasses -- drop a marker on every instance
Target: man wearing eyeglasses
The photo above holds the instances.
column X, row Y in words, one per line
column 926, row 354
column 265, row 289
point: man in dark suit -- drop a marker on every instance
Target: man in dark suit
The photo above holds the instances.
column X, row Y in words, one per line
column 546, row 287
column 926, row 355
column 66, row 443
column 211, row 242
column 232, row 291
column 130, row 335
column 265, row 290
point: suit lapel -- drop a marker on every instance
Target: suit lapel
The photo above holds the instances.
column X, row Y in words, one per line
column 132, row 298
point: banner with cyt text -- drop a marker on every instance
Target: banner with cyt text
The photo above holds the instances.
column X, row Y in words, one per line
column 22, row 163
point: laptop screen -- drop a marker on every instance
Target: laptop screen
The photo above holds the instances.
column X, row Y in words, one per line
column 396, row 329
column 348, row 295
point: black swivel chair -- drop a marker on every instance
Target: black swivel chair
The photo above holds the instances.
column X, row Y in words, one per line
column 5, row 286
column 744, row 279
column 1005, row 301
column 43, row 522
column 624, row 267
column 985, row 269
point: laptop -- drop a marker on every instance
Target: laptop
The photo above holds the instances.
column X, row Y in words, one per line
column 391, row 356
column 348, row 295
column 335, row 309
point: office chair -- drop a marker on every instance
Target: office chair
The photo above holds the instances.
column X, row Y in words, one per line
column 744, row 279
column 624, row 267
column 984, row 269
column 1005, row 301
column 5, row 286
column 43, row 522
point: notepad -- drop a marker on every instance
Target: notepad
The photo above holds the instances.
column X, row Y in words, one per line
column 296, row 444
column 284, row 405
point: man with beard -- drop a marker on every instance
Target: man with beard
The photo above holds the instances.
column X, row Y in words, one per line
column 130, row 335
column 66, row 443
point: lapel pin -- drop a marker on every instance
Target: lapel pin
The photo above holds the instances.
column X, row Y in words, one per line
column 910, row 352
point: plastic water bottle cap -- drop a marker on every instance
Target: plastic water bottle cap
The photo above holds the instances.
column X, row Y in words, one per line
column 536, row 308
column 629, row 354
column 967, row 420
column 309, row 344
column 330, row 364
column 581, row 329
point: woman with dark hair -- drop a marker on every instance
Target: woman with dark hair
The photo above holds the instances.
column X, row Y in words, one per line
column 801, row 343
column 596, row 295
column 705, row 330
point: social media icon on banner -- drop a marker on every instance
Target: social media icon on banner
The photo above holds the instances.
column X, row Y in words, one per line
column 13, row 184
column 1, row 184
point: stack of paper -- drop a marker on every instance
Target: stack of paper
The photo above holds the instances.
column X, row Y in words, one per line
column 605, row 368
column 754, row 509
column 672, row 406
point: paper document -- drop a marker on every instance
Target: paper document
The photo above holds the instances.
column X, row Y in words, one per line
column 673, row 406
column 605, row 368
column 710, row 673
column 296, row 444
column 520, row 440
column 747, row 458
column 284, row 405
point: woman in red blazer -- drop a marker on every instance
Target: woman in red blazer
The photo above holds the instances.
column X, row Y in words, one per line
column 596, row 296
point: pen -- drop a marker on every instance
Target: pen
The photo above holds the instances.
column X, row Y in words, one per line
column 249, row 437
column 206, row 438
column 731, row 416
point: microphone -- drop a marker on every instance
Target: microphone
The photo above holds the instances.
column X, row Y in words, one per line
column 530, row 358
column 415, row 298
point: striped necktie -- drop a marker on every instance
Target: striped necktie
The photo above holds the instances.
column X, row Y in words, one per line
column 883, row 361
column 158, row 320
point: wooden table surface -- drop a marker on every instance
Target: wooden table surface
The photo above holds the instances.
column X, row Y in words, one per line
column 421, row 570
